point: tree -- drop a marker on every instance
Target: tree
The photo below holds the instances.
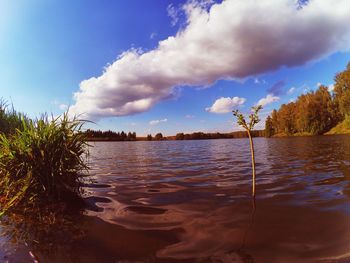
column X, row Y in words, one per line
column 180, row 136
column 302, row 123
column 322, row 120
column 123, row 135
column 129, row 136
column 269, row 127
column 253, row 120
column 149, row 137
column 286, row 118
column 342, row 91
column 316, row 112
column 159, row 136
column 274, row 120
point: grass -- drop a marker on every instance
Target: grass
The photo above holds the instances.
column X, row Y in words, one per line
column 298, row 134
column 10, row 120
column 41, row 173
column 341, row 128
column 41, row 161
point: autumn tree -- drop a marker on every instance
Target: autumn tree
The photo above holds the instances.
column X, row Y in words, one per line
column 342, row 91
column 274, row 121
column 287, row 118
column 269, row 131
column 315, row 112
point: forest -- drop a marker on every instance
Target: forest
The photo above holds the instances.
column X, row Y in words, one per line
column 317, row 112
column 109, row 135
column 217, row 135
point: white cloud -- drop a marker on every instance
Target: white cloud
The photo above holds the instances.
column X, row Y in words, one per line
column 230, row 40
column 225, row 105
column 291, row 90
column 156, row 122
column 306, row 89
column 153, row 35
column 331, row 88
column 259, row 81
column 270, row 98
column 188, row 116
column 173, row 13
column 63, row 106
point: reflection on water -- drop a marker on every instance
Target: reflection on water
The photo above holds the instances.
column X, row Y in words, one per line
column 190, row 201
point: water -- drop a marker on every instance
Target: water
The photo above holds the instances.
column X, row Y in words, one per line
column 190, row 201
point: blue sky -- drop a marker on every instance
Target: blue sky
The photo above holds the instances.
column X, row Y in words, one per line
column 47, row 48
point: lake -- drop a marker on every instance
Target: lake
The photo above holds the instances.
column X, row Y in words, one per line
column 190, row 201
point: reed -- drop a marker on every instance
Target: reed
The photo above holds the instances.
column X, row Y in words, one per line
column 41, row 161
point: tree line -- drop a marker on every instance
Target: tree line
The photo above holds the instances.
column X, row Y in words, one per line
column 110, row 135
column 315, row 112
column 217, row 135
column 158, row 137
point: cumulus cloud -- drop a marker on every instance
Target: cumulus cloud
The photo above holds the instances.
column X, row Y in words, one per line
column 228, row 40
column 270, row 98
column 156, row 122
column 225, row 105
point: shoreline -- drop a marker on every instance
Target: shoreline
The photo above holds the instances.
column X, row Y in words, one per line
column 140, row 139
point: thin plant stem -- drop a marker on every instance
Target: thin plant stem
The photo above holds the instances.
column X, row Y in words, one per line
column 253, row 160
column 253, row 120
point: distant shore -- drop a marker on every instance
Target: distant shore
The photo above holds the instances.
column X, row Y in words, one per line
column 183, row 136
column 227, row 136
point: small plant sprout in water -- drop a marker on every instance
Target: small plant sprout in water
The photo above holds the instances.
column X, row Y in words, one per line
column 249, row 126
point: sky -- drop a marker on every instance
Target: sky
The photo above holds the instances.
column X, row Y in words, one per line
column 167, row 65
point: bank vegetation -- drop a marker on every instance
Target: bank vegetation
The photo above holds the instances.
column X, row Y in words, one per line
column 323, row 111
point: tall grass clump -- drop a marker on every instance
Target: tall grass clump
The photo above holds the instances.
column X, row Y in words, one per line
column 10, row 119
column 42, row 163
